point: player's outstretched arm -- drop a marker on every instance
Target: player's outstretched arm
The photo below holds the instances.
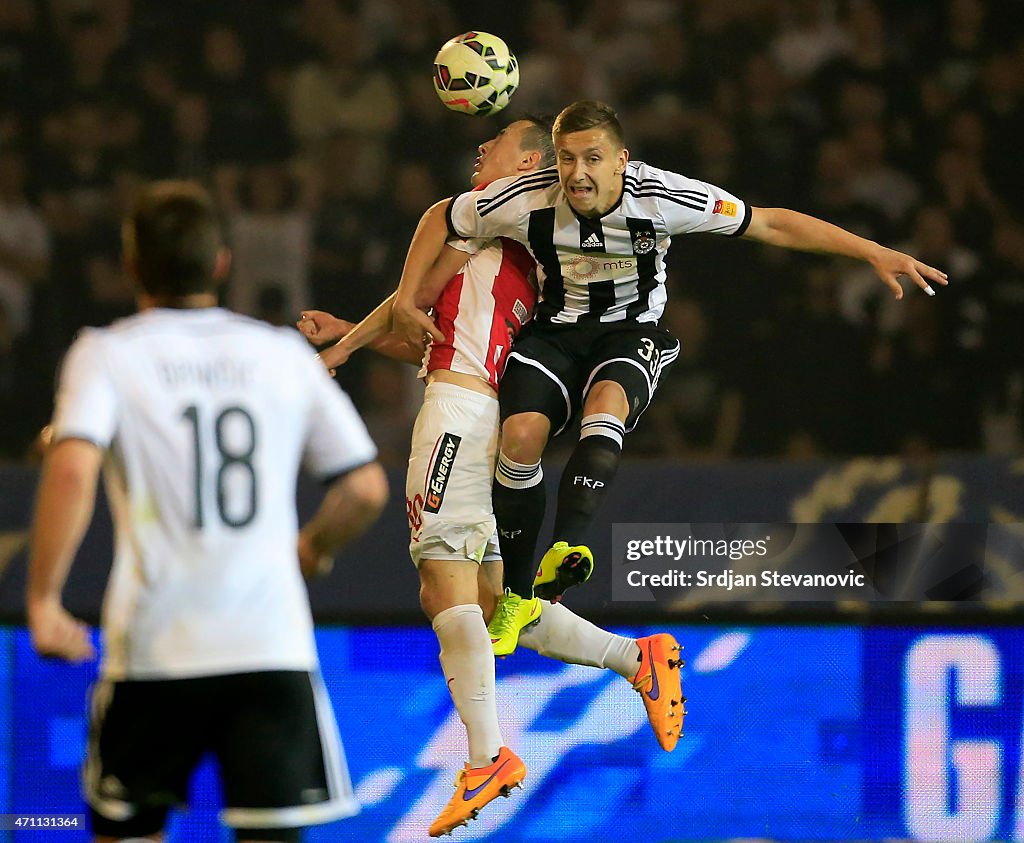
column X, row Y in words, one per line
column 64, row 508
column 793, row 230
column 410, row 321
column 319, row 326
column 375, row 330
column 351, row 505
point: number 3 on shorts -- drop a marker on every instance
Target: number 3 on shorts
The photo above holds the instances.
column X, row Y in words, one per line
column 648, row 352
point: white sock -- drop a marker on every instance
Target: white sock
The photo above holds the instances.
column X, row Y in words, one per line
column 468, row 664
column 561, row 634
column 517, row 475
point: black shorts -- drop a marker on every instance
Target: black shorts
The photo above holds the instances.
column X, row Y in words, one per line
column 273, row 734
column 552, row 367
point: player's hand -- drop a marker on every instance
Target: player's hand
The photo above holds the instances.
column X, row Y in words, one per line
column 58, row 634
column 890, row 265
column 413, row 325
column 312, row 562
column 320, row 327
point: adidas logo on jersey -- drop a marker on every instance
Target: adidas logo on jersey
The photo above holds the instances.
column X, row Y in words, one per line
column 592, row 242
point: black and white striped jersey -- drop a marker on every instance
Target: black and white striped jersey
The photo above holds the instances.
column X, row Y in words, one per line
column 610, row 268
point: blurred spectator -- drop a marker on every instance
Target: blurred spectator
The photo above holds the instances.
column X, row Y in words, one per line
column 924, row 399
column 809, row 36
column 959, row 48
column 935, row 240
column 340, row 89
column 556, row 68
column 410, row 32
column 414, row 190
column 999, row 99
column 78, row 176
column 1003, row 294
column 21, row 50
column 188, row 153
column 870, row 51
column 699, row 409
column 9, row 404
column 95, row 67
column 244, row 127
column 832, row 198
column 875, row 181
column 24, row 244
column 962, row 188
column 155, row 98
column 342, row 240
column 110, row 292
column 821, row 370
column 772, row 130
column 660, row 97
column 272, row 306
column 271, row 237
column 624, row 38
column 389, row 406
column 422, row 123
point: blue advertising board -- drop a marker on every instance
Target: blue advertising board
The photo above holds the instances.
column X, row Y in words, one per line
column 793, row 733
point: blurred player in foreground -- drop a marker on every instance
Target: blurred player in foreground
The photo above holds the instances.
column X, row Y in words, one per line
column 599, row 226
column 201, row 419
column 483, row 293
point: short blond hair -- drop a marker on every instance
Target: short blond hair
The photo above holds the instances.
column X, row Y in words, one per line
column 589, row 114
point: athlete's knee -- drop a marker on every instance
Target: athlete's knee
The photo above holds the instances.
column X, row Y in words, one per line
column 435, row 597
column 446, row 583
column 524, row 436
column 607, row 397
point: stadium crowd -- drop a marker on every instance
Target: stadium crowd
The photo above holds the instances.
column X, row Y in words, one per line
column 315, row 124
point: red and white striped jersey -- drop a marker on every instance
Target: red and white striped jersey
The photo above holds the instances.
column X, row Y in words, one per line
column 482, row 309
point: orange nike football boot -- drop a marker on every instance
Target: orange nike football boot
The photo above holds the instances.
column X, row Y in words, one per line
column 477, row 786
column 659, row 683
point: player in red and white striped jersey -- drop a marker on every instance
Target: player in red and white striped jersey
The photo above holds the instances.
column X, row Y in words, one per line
column 481, row 309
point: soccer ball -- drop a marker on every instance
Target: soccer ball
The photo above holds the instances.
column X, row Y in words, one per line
column 475, row 73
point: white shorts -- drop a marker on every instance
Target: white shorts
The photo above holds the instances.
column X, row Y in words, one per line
column 448, row 487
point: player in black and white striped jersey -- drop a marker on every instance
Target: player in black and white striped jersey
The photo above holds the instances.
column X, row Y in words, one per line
column 598, row 226
column 612, row 267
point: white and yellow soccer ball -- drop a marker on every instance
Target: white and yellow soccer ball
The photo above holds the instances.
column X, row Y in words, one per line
column 475, row 73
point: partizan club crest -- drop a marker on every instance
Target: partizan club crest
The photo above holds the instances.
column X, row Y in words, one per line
column 643, row 243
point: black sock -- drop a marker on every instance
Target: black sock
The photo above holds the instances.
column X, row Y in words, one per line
column 587, row 476
column 519, row 499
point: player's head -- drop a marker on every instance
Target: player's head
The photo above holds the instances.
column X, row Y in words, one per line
column 591, row 156
column 174, row 242
column 521, row 147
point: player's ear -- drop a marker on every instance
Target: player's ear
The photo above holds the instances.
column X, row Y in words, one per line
column 529, row 161
column 623, row 160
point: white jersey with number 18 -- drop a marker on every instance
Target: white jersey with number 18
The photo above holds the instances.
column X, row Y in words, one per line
column 207, row 417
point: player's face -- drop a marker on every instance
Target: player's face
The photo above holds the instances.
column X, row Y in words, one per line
column 502, row 155
column 590, row 168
